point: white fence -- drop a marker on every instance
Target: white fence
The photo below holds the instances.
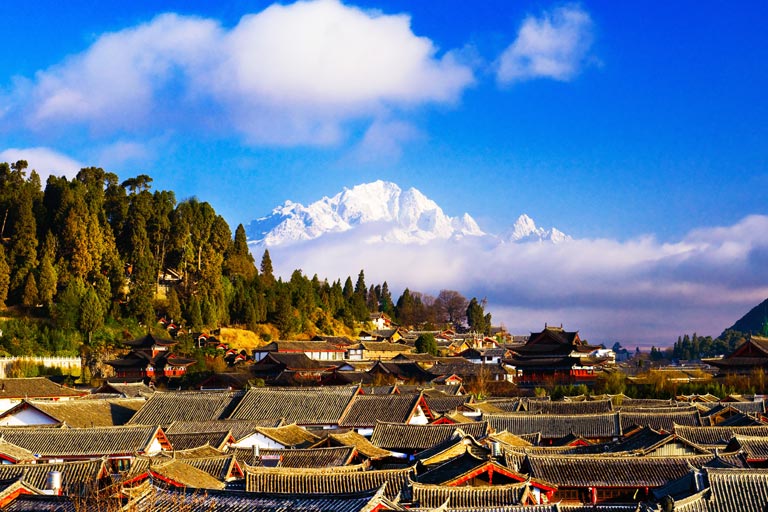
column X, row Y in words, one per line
column 67, row 364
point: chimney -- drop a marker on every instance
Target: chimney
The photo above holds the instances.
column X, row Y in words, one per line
column 53, row 483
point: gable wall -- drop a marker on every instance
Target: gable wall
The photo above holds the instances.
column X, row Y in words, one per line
column 26, row 416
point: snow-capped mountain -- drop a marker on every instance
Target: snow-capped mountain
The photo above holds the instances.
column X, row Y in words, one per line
column 381, row 210
column 525, row 230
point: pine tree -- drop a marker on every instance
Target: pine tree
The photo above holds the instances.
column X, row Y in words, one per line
column 75, row 240
column 47, row 280
column 194, row 314
column 426, row 344
column 91, row 313
column 360, row 288
column 284, row 318
column 476, row 317
column 174, row 306
column 67, row 309
column 5, row 277
column 372, row 300
column 23, row 246
column 349, row 290
column 404, row 310
column 266, row 268
column 29, row 297
column 385, row 300
column 239, row 261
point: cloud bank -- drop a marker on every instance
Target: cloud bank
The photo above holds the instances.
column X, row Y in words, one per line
column 290, row 74
column 554, row 45
column 45, row 161
column 635, row 291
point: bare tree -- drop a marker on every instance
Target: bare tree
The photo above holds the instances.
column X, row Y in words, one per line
column 451, row 307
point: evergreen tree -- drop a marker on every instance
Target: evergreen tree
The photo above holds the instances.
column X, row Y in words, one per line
column 29, row 297
column 385, row 301
column 5, row 277
column 174, row 306
column 209, row 313
column 476, row 317
column 76, row 240
column 194, row 314
column 404, row 310
column 67, row 309
column 426, row 344
column 239, row 261
column 349, row 290
column 284, row 318
column 266, row 268
column 91, row 313
column 360, row 288
column 22, row 257
column 372, row 300
column 47, row 280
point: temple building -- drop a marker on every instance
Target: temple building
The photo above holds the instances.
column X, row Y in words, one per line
column 554, row 356
column 150, row 359
column 749, row 356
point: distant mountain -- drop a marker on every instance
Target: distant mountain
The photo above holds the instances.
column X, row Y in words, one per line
column 404, row 216
column 382, row 211
column 525, row 230
column 753, row 321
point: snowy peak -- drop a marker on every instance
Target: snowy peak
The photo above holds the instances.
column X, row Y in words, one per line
column 382, row 209
column 525, row 230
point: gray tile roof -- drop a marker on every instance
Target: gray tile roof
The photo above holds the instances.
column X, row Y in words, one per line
column 742, row 490
column 299, row 458
column 445, row 403
column 163, row 500
column 88, row 413
column 402, row 437
column 239, row 428
column 585, row 407
column 433, row 496
column 35, row 387
column 717, row 436
column 82, row 442
column 74, row 475
column 360, row 443
column 220, row 467
column 754, row 447
column 290, row 436
column 661, row 420
column 553, row 426
column 328, row 481
column 165, row 408
column 365, row 410
column 305, row 406
column 42, row 503
column 187, row 440
column 610, row 471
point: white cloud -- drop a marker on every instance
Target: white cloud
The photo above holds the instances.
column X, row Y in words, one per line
column 554, row 45
column 638, row 290
column 116, row 83
column 291, row 74
column 45, row 161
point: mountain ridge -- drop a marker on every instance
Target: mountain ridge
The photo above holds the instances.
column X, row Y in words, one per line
column 382, row 212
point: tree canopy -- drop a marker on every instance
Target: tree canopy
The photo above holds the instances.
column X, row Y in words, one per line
column 92, row 251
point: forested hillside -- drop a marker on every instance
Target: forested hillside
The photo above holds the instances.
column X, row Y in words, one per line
column 90, row 257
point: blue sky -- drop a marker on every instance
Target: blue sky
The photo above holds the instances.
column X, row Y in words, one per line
column 608, row 120
column 660, row 128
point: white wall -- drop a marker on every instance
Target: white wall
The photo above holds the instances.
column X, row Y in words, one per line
column 26, row 416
